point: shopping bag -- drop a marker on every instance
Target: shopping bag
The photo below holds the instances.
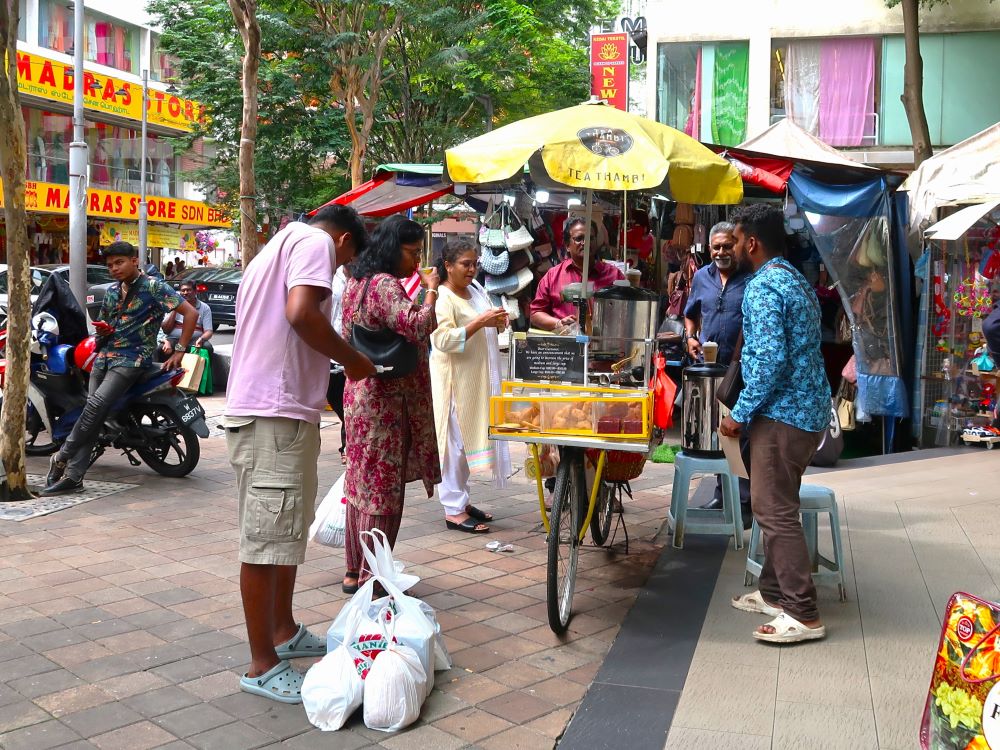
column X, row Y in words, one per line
column 331, row 517
column 397, row 683
column 193, row 367
column 664, row 394
column 963, row 703
column 417, row 625
column 333, row 688
column 207, row 387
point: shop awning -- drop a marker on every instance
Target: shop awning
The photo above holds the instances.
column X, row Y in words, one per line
column 960, row 222
column 395, row 188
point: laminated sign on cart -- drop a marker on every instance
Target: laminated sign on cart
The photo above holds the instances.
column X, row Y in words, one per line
column 962, row 711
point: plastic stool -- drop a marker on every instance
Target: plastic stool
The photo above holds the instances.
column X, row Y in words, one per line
column 728, row 521
column 813, row 500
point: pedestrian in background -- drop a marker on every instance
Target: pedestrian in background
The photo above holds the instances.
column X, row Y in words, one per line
column 277, row 385
column 714, row 312
column 465, row 372
column 390, row 421
column 785, row 404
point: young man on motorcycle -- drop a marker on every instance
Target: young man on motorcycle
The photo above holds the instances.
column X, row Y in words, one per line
column 129, row 319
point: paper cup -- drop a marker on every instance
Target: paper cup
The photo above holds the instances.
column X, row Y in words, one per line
column 711, row 351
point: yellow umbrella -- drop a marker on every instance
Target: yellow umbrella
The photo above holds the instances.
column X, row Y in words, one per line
column 596, row 147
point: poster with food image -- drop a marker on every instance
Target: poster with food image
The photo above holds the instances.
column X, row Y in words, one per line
column 962, row 711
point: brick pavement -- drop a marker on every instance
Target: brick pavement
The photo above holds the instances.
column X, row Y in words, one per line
column 121, row 625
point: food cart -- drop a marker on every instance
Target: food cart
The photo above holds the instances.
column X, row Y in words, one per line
column 588, row 393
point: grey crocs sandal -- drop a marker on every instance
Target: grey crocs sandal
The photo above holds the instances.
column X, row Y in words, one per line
column 280, row 683
column 301, row 645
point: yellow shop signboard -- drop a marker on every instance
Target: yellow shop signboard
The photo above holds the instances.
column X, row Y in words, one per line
column 157, row 236
column 53, row 80
column 45, row 197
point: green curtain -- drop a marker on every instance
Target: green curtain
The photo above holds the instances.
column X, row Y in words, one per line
column 729, row 93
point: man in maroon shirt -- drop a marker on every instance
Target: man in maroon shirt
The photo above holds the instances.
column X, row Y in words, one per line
column 548, row 309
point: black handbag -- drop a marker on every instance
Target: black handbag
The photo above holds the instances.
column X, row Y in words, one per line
column 383, row 346
column 731, row 385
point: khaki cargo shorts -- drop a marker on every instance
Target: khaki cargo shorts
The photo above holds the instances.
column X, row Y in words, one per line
column 276, row 479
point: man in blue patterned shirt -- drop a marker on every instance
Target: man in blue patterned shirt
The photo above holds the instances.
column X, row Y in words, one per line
column 129, row 319
column 785, row 405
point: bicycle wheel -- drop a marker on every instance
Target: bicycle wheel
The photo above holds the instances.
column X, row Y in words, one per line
column 600, row 522
column 564, row 543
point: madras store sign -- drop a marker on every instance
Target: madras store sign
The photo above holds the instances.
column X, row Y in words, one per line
column 609, row 69
column 178, row 239
column 45, row 197
column 53, row 80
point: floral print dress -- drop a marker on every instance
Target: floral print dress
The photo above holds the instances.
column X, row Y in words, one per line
column 390, row 423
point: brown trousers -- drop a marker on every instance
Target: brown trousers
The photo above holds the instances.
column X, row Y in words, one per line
column 779, row 455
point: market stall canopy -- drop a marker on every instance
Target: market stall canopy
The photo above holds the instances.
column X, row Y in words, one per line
column 960, row 222
column 968, row 172
column 788, row 140
column 395, row 188
column 597, row 147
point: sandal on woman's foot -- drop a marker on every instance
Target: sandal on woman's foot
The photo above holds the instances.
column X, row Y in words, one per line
column 350, row 588
column 479, row 515
column 469, row 526
column 754, row 602
column 789, row 630
column 301, row 645
column 280, row 683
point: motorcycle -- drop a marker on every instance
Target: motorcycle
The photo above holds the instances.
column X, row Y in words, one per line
column 153, row 422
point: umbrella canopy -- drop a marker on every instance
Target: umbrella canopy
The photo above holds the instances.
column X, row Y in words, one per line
column 596, row 147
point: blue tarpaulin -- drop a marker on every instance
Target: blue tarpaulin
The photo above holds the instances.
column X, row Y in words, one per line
column 858, row 200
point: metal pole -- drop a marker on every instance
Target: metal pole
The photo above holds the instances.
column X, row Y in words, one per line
column 79, row 159
column 143, row 205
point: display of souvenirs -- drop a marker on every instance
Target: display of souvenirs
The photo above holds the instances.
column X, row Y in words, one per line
column 962, row 711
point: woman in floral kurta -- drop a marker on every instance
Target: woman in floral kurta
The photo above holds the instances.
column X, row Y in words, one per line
column 390, row 422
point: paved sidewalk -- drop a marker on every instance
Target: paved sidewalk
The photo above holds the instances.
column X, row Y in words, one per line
column 914, row 533
column 121, row 624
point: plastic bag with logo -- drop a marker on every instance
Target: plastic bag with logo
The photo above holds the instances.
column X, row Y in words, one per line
column 397, row 683
column 334, row 686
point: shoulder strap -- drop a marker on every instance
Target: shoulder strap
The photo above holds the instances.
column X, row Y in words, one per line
column 361, row 303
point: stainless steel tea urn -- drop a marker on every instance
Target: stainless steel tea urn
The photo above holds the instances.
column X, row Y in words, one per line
column 622, row 312
column 700, row 436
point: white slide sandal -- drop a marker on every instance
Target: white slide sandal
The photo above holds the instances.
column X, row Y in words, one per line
column 754, row 602
column 789, row 630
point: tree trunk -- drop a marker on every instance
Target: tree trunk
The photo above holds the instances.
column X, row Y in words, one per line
column 13, row 166
column 913, row 84
column 245, row 14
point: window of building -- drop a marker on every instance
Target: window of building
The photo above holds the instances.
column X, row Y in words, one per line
column 163, row 67
column 115, row 155
column 22, row 21
column 106, row 41
column 827, row 87
column 960, row 98
column 702, row 90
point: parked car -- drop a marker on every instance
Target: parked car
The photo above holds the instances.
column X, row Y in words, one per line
column 216, row 287
column 97, row 277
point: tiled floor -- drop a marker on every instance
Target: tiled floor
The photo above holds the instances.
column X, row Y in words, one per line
column 121, row 624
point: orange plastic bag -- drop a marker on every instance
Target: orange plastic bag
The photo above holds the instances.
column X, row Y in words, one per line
column 664, row 393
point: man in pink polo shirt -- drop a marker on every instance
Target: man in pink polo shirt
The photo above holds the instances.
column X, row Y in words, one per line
column 548, row 310
column 277, row 388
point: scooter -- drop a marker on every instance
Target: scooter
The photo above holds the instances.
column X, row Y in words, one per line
column 153, row 422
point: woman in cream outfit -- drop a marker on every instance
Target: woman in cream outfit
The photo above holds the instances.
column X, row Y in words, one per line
column 465, row 372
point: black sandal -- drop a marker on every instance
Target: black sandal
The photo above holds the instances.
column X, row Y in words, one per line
column 479, row 515
column 350, row 588
column 468, row 526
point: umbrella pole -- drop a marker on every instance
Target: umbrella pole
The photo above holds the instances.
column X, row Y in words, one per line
column 586, row 242
column 623, row 227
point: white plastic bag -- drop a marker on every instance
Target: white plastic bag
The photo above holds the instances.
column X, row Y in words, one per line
column 396, row 685
column 417, row 626
column 333, row 688
column 331, row 517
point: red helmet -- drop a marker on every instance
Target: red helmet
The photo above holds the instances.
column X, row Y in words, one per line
column 85, row 353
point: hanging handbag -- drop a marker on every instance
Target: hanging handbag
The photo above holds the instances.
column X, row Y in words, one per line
column 519, row 238
column 383, row 346
column 495, row 262
column 846, row 395
column 491, row 234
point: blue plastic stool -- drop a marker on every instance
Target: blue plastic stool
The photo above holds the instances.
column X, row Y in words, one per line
column 813, row 500
column 728, row 521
